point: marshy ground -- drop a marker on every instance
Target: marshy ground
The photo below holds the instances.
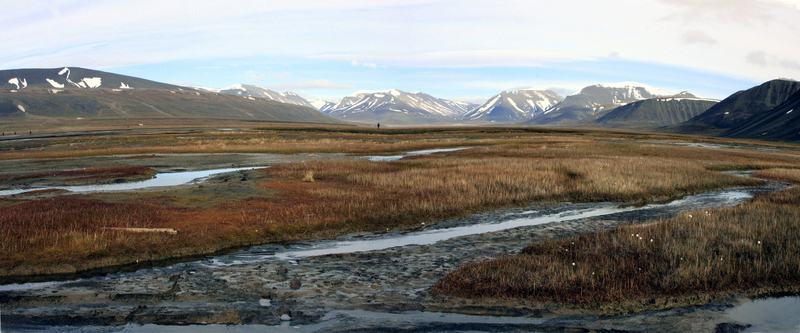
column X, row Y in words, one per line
column 505, row 168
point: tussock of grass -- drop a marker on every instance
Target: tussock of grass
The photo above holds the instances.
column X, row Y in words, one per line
column 749, row 247
column 308, row 177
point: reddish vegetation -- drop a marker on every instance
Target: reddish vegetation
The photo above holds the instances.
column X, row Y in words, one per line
column 748, row 248
column 112, row 172
column 71, row 230
column 354, row 195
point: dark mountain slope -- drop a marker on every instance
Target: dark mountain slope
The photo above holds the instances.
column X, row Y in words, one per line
column 656, row 112
column 739, row 107
column 779, row 123
column 149, row 103
column 73, row 78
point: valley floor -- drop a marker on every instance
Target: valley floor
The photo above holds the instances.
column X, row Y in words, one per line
column 316, row 183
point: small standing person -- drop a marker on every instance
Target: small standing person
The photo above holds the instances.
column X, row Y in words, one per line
column 379, row 125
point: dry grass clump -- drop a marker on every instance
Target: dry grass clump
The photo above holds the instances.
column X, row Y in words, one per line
column 751, row 246
column 308, row 177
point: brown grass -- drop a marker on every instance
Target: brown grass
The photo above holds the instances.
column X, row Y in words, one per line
column 508, row 167
column 308, row 177
column 73, row 230
column 751, row 247
column 781, row 175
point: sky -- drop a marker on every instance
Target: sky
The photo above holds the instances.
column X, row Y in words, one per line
column 462, row 50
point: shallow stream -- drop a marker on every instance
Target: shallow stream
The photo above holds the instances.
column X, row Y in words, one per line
column 165, row 179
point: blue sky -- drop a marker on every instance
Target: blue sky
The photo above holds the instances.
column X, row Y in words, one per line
column 461, row 50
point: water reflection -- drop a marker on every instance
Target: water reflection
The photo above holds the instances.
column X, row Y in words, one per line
column 773, row 314
column 413, row 153
column 160, row 180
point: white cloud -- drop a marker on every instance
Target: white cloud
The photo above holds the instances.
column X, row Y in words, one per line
column 253, row 77
column 461, row 59
column 790, row 64
column 697, row 36
column 355, row 63
column 400, row 34
column 757, row 58
column 765, row 60
column 302, row 84
column 471, row 99
column 725, row 11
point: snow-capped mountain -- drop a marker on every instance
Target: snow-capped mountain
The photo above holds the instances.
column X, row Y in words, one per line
column 57, row 79
column 324, row 104
column 596, row 98
column 246, row 90
column 397, row 106
column 515, row 105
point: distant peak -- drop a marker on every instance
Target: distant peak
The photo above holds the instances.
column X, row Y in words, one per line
column 235, row 86
column 630, row 85
column 534, row 89
column 393, row 92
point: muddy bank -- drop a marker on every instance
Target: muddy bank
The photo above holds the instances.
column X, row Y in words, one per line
column 161, row 162
column 351, row 291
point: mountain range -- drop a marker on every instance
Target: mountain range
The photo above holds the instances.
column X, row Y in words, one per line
column 767, row 111
column 260, row 92
column 84, row 94
column 397, row 107
column 594, row 99
column 512, row 106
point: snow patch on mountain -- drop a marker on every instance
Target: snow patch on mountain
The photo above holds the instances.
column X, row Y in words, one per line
column 324, row 104
column 416, row 104
column 55, row 84
column 259, row 92
column 91, row 82
column 515, row 105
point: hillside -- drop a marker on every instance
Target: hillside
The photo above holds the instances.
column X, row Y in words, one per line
column 246, row 90
column 739, row 107
column 75, row 93
column 72, row 78
column 594, row 99
column 779, row 123
column 655, row 112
